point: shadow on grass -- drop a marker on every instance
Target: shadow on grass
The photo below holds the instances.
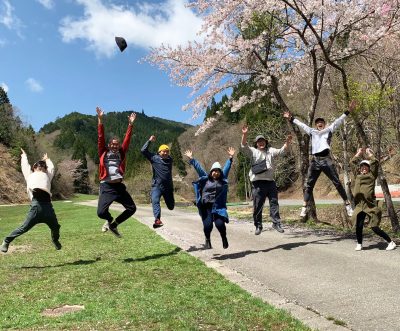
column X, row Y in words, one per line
column 286, row 247
column 78, row 262
column 152, row 257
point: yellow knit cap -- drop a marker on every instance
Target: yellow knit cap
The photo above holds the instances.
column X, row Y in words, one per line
column 163, row 148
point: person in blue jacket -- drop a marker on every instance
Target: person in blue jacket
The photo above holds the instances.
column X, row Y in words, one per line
column 211, row 191
column 162, row 185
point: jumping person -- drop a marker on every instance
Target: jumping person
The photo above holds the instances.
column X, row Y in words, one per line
column 38, row 184
column 365, row 200
column 111, row 171
column 211, row 191
column 162, row 185
column 321, row 160
column 262, row 178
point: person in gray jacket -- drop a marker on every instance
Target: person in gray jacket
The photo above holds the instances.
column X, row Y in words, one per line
column 262, row 178
column 321, row 138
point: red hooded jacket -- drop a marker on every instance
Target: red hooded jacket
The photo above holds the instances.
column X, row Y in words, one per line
column 102, row 150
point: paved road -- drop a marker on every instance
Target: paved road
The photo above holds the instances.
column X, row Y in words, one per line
column 316, row 276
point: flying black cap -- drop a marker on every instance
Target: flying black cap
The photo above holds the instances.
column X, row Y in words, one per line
column 121, row 43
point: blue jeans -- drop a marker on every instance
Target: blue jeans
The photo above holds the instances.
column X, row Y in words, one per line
column 158, row 191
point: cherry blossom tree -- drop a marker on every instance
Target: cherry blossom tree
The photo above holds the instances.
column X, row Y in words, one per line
column 283, row 46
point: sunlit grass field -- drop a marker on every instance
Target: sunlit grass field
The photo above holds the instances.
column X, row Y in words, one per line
column 138, row 282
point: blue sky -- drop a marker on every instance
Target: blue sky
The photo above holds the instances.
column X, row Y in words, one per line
column 60, row 56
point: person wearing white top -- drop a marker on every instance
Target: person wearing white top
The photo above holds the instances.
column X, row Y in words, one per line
column 38, row 184
column 321, row 137
column 262, row 178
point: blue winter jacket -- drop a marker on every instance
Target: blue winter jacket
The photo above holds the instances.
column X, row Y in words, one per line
column 219, row 207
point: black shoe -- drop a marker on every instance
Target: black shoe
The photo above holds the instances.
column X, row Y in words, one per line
column 278, row 227
column 225, row 244
column 4, row 247
column 57, row 245
column 113, row 229
column 258, row 230
column 207, row 245
column 157, row 224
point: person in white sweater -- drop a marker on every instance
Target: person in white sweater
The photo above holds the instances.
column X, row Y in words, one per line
column 321, row 161
column 262, row 178
column 38, row 184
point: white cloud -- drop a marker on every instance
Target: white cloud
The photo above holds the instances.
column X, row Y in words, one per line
column 147, row 25
column 48, row 4
column 7, row 16
column 34, row 85
column 4, row 86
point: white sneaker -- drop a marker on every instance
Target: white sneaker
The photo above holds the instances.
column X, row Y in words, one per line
column 349, row 210
column 303, row 212
column 105, row 227
column 358, row 247
column 391, row 246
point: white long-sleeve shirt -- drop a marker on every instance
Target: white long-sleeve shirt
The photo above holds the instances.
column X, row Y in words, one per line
column 37, row 179
column 320, row 140
column 257, row 156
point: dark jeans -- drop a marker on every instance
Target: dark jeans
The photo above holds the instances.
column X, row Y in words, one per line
column 115, row 192
column 325, row 165
column 158, row 191
column 360, row 225
column 261, row 190
column 209, row 218
column 40, row 212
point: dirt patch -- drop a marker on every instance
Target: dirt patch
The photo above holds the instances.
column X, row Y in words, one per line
column 59, row 311
column 19, row 248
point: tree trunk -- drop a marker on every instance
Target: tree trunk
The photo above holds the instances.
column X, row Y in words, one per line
column 394, row 220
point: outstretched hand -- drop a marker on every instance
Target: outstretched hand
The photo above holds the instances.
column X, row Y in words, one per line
column 22, row 151
column 289, row 138
column 152, row 139
column 245, row 129
column 99, row 112
column 45, row 157
column 369, row 152
column 287, row 115
column 131, row 118
column 231, row 151
column 360, row 151
column 352, row 105
column 189, row 154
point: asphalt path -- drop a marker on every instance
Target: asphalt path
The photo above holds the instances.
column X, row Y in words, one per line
column 315, row 275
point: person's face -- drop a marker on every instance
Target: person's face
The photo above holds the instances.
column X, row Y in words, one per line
column 164, row 153
column 320, row 125
column 364, row 169
column 261, row 143
column 114, row 145
column 215, row 174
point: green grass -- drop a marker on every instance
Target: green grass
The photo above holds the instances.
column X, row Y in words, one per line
column 139, row 282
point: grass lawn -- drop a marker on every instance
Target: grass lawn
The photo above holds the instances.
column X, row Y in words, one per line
column 139, row 282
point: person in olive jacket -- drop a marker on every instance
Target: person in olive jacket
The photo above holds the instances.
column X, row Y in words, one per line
column 211, row 191
column 365, row 200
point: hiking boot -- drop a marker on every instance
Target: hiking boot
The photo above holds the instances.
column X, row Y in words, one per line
column 57, row 245
column 303, row 212
column 391, row 246
column 207, row 245
column 225, row 244
column 349, row 210
column 105, row 227
column 358, row 247
column 278, row 227
column 258, row 230
column 157, row 224
column 4, row 247
column 113, row 229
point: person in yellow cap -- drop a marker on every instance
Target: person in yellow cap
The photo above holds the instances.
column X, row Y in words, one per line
column 162, row 185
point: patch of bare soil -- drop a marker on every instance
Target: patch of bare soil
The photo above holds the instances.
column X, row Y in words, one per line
column 19, row 248
column 59, row 311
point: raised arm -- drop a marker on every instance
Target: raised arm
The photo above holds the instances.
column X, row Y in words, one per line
column 228, row 163
column 145, row 149
column 50, row 166
column 341, row 119
column 373, row 162
column 25, row 166
column 128, row 134
column 301, row 125
column 101, row 142
column 196, row 165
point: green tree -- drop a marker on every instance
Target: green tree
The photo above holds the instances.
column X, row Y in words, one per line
column 177, row 157
column 3, row 97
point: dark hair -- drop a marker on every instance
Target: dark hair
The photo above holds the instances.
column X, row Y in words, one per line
column 319, row 119
column 40, row 164
column 114, row 138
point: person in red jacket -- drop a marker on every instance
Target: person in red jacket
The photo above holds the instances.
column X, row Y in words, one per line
column 111, row 174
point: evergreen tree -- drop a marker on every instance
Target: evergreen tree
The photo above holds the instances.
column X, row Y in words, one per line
column 81, row 175
column 177, row 157
column 3, row 97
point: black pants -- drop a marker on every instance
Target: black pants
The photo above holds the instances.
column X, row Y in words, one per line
column 40, row 212
column 115, row 192
column 209, row 219
column 360, row 225
column 325, row 165
column 261, row 190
